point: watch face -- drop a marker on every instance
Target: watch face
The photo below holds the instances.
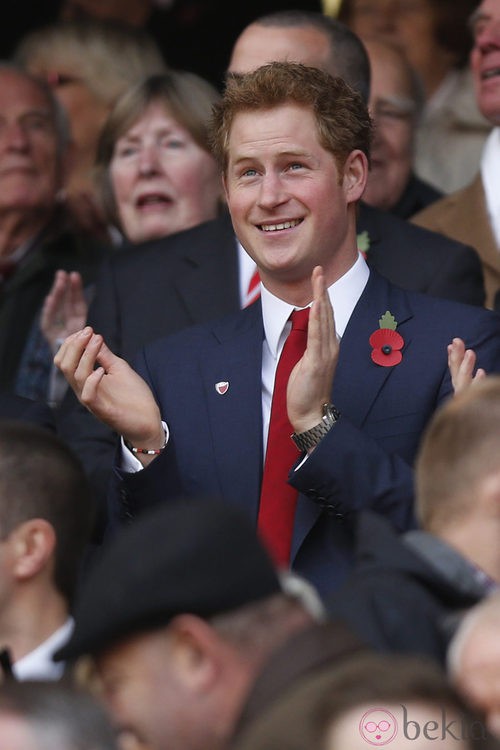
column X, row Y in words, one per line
column 330, row 414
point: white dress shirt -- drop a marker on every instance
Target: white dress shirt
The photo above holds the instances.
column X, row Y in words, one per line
column 344, row 295
column 38, row 664
column 490, row 174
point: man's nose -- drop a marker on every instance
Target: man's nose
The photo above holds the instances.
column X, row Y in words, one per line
column 488, row 36
column 272, row 191
column 14, row 135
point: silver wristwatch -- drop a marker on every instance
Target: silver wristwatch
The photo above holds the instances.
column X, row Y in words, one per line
column 310, row 438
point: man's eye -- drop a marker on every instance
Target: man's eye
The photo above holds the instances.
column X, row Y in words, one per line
column 392, row 115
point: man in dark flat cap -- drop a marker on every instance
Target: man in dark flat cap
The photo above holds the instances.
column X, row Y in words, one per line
column 180, row 614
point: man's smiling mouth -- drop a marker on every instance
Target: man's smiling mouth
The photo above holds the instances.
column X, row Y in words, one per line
column 492, row 73
column 278, row 227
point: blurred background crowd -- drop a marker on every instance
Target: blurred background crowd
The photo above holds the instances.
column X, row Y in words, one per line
column 177, row 630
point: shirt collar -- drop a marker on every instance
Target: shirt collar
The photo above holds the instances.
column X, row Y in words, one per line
column 344, row 295
column 490, row 175
column 38, row 664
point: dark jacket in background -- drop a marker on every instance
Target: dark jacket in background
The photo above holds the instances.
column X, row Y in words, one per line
column 16, row 407
column 396, row 599
column 23, row 293
column 416, row 196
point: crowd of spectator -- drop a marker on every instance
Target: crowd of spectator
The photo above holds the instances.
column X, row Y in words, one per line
column 250, row 376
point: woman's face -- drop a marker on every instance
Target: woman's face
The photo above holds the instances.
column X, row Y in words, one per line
column 86, row 113
column 163, row 182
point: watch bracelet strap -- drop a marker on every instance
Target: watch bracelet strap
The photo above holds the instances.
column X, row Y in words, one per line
column 310, row 438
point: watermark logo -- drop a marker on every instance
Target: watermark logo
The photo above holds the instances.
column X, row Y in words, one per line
column 378, row 727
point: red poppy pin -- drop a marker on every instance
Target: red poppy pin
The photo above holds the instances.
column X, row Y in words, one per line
column 386, row 342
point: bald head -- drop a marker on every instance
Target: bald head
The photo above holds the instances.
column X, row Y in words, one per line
column 258, row 45
column 392, row 75
column 304, row 37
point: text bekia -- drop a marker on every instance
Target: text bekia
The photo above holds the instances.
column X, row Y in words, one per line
column 458, row 728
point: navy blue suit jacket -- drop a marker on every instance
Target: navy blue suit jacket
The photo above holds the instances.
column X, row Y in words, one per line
column 160, row 287
column 364, row 461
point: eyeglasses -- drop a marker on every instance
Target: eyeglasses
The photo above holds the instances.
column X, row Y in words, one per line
column 393, row 110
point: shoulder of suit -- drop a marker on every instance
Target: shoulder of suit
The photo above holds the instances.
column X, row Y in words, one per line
column 202, row 240
column 455, row 202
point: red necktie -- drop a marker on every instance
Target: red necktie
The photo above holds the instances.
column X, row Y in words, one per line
column 278, row 498
column 253, row 291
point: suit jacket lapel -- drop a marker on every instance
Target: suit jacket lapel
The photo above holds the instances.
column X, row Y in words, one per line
column 208, row 283
column 358, row 380
column 235, row 417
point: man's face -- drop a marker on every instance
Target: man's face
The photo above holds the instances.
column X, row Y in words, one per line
column 478, row 676
column 142, row 693
column 485, row 58
column 409, row 24
column 391, row 109
column 258, row 45
column 287, row 200
column 30, row 169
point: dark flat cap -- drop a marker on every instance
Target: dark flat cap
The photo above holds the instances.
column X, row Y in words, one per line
column 192, row 556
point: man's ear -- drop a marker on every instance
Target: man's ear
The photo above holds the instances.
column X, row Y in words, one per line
column 197, row 651
column 33, row 544
column 355, row 175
